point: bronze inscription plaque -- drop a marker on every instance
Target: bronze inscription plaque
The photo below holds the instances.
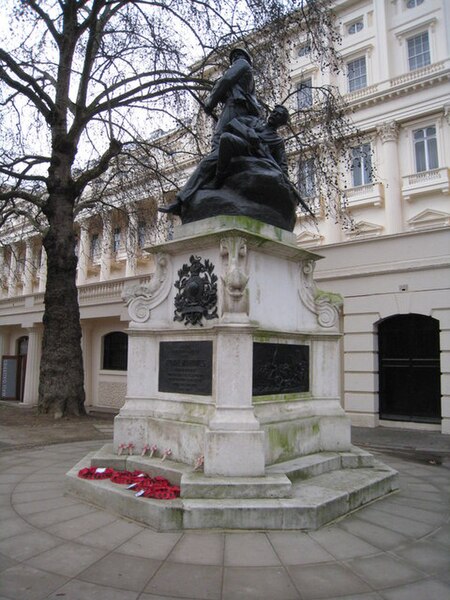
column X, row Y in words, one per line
column 185, row 367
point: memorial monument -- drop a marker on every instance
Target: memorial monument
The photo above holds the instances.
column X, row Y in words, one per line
column 234, row 371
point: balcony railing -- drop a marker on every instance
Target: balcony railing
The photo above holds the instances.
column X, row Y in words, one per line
column 107, row 290
column 361, row 93
column 417, row 184
column 370, row 194
column 419, row 73
column 93, row 293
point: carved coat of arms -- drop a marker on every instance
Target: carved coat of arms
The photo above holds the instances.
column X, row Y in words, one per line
column 197, row 292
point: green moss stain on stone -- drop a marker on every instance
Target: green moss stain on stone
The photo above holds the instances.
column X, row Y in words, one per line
column 256, row 227
column 280, row 440
column 249, row 224
column 336, row 299
column 280, row 397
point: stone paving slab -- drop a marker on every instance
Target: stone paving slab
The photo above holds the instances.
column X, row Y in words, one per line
column 389, row 550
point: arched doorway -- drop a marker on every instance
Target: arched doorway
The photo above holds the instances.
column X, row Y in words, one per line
column 409, row 368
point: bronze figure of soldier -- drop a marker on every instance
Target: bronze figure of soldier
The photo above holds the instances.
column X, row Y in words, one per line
column 242, row 136
column 236, row 91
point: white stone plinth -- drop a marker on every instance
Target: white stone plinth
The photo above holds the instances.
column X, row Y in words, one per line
column 264, row 426
column 234, row 453
column 265, row 294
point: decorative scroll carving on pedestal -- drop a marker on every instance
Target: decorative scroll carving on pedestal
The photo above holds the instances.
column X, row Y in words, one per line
column 141, row 299
column 235, row 293
column 197, row 292
column 324, row 304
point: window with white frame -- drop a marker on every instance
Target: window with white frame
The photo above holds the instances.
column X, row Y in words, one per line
column 357, row 74
column 361, row 165
column 116, row 239
column 413, row 3
column 306, row 177
column 94, row 250
column 142, row 233
column 425, row 149
column 304, row 94
column 304, row 50
column 355, row 27
column 419, row 51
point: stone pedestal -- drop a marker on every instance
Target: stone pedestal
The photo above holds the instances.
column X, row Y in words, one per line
column 270, row 390
column 233, row 367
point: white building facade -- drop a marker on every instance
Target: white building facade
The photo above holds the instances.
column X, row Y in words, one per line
column 392, row 269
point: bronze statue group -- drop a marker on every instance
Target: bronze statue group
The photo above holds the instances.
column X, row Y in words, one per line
column 240, row 133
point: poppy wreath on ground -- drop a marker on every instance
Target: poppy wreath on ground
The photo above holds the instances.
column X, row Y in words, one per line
column 162, row 493
column 95, row 473
column 128, row 477
column 139, row 482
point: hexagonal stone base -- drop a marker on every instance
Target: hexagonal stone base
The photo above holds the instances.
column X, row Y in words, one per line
column 305, row 493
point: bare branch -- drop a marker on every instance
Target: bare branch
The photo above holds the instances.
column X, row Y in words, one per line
column 47, row 20
column 101, row 167
column 27, row 86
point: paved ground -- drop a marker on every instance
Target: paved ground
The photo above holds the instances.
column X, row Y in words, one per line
column 56, row 547
column 21, row 426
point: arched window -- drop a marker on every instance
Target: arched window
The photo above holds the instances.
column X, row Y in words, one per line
column 115, row 351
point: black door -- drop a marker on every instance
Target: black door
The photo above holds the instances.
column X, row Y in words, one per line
column 409, row 368
column 22, row 351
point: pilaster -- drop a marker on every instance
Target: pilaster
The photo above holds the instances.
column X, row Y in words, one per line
column 106, row 257
column 234, row 431
column 382, row 40
column 3, row 279
column 4, row 342
column 28, row 268
column 43, row 270
column 388, row 133
column 86, row 346
column 12, row 274
column 83, row 253
column 31, row 387
column 131, row 244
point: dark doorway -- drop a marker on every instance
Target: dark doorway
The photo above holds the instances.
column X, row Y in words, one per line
column 22, row 351
column 409, row 368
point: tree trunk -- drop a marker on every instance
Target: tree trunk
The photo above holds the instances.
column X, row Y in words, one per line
column 61, row 387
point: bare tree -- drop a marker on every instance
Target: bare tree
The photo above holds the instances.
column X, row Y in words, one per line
column 82, row 85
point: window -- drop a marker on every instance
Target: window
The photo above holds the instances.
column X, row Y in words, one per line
column 361, row 157
column 94, row 249
column 22, row 346
column 142, row 233
column 20, row 265
column 304, row 94
column 115, row 351
column 357, row 74
column 306, row 176
column 413, row 3
column 116, row 239
column 304, row 50
column 425, row 149
column 355, row 27
column 419, row 51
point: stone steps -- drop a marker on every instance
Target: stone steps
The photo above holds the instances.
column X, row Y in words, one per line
column 312, row 465
column 324, row 487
